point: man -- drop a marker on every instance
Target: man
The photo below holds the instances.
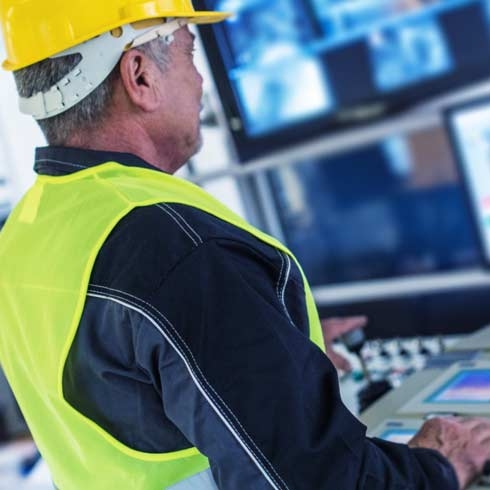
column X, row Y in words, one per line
column 152, row 338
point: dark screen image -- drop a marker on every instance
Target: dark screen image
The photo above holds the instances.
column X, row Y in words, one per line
column 406, row 53
column 405, row 39
column 392, row 209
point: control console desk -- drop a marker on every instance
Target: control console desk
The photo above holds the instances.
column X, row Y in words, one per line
column 463, row 388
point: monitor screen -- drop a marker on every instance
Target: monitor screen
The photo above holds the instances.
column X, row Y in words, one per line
column 468, row 387
column 391, row 209
column 400, row 436
column 277, row 80
column 405, row 40
column 290, row 69
column 470, row 130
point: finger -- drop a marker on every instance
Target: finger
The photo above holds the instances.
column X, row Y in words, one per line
column 334, row 328
column 485, row 442
column 335, row 320
column 480, row 433
column 475, row 423
column 482, row 430
column 339, row 361
column 328, row 321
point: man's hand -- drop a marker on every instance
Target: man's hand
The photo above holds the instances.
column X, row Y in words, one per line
column 465, row 442
column 333, row 328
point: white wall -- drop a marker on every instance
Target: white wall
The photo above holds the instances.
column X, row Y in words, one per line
column 19, row 135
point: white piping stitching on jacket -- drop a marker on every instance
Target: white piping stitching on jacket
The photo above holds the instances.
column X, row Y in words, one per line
column 179, row 224
column 279, row 279
column 286, row 279
column 143, row 311
column 170, row 208
column 281, row 291
column 59, row 161
column 198, row 368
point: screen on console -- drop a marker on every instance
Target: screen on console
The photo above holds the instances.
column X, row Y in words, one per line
column 468, row 387
column 470, row 129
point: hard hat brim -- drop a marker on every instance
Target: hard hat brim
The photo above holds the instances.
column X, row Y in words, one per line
column 209, row 17
column 199, row 17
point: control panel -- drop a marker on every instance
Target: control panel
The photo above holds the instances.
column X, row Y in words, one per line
column 453, row 379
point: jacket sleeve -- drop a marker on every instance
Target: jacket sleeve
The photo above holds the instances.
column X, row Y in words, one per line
column 249, row 389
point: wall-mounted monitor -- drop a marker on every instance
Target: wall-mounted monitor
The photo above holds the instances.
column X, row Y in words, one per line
column 469, row 127
column 291, row 70
column 389, row 210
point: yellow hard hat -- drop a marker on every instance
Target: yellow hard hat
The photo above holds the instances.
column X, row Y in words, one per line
column 34, row 30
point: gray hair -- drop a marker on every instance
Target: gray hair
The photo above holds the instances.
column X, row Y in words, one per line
column 90, row 111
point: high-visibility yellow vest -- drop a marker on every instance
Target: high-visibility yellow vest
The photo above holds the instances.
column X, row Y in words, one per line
column 47, row 251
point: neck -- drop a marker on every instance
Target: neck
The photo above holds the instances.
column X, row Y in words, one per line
column 132, row 138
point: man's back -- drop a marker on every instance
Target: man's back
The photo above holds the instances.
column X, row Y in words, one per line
column 236, row 306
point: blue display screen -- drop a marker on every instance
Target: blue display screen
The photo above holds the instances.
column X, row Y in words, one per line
column 405, row 39
column 277, row 76
column 468, row 387
column 400, row 436
column 386, row 210
column 292, row 61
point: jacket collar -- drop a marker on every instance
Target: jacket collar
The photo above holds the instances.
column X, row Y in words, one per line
column 57, row 161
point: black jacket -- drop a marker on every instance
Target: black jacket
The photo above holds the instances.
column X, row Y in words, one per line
column 235, row 307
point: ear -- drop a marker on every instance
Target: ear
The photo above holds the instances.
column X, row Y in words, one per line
column 141, row 80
